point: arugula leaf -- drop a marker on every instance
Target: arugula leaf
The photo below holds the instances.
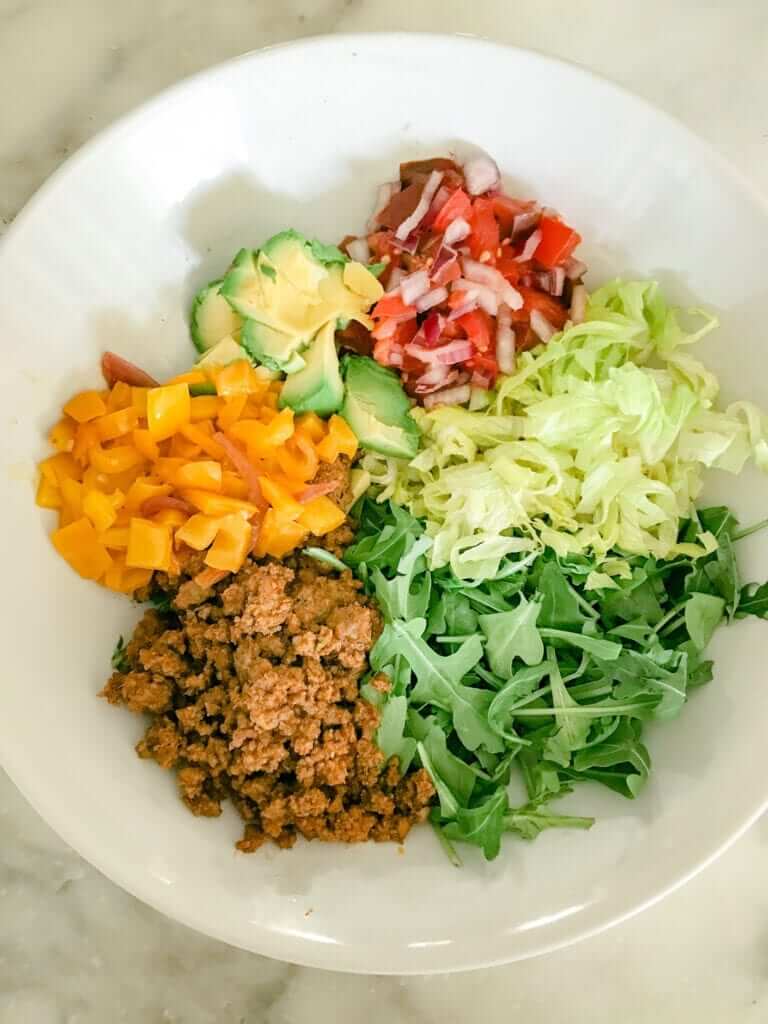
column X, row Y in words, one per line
column 389, row 736
column 321, row 555
column 559, row 604
column 753, row 600
column 482, row 825
column 511, row 635
column 441, row 764
column 703, row 614
column 529, row 822
column 607, row 650
column 624, row 753
column 119, row 659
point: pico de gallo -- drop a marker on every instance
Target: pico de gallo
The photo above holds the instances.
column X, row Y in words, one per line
column 472, row 276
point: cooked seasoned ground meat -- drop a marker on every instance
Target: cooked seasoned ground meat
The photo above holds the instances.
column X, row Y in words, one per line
column 252, row 686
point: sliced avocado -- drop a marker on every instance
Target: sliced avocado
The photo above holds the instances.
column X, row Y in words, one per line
column 211, row 318
column 241, row 286
column 291, row 255
column 274, row 349
column 377, row 409
column 223, row 353
column 318, row 387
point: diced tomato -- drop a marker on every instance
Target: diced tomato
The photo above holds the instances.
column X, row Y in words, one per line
column 449, row 272
column 549, row 307
column 557, row 242
column 392, row 306
column 506, row 209
column 457, row 299
column 405, row 332
column 485, row 231
column 509, row 268
column 484, row 364
column 477, row 325
column 452, row 330
column 459, row 205
column 381, row 244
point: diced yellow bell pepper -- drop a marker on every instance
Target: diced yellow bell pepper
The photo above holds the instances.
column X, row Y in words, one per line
column 167, row 468
column 310, row 425
column 116, row 424
column 139, row 401
column 142, row 489
column 340, row 441
column 254, row 435
column 278, row 536
column 79, row 545
column 119, row 397
column 233, row 485
column 217, row 505
column 168, row 408
column 281, row 500
column 232, row 544
column 204, row 475
column 199, row 436
column 203, row 407
column 144, row 443
column 321, row 515
column 93, row 480
column 48, row 494
column 124, row 580
column 298, row 458
column 85, row 406
column 238, row 378
column 116, row 538
column 270, row 400
column 71, row 500
column 100, row 510
column 190, row 377
column 281, row 427
column 57, row 468
column 199, row 531
column 173, row 517
column 230, row 410
column 149, row 545
column 117, row 459
column 86, row 438
column 182, row 448
column 62, row 435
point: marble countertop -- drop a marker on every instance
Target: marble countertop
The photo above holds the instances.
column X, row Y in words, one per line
column 74, row 949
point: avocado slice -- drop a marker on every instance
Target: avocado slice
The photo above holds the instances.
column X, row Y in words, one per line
column 318, row 387
column 223, row 353
column 275, row 349
column 378, row 410
column 211, row 318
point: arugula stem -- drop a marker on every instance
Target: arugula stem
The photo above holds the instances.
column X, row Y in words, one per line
column 671, row 614
column 749, row 530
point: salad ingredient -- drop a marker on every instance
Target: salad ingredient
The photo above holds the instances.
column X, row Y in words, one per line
column 117, row 370
column 456, row 250
column 251, row 684
column 212, row 318
column 318, row 387
column 596, row 442
column 143, row 473
column 377, row 409
column 545, row 670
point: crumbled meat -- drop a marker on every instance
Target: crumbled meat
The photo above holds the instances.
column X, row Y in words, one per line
column 253, row 685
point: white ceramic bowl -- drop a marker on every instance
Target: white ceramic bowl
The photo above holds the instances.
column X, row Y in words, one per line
column 107, row 256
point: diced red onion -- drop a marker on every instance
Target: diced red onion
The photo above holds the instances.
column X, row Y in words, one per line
column 452, row 352
column 481, row 174
column 505, row 340
column 484, row 297
column 540, row 326
column 556, row 281
column 491, row 278
column 396, row 356
column 386, row 191
column 524, row 221
column 385, row 329
column 465, row 307
column 441, row 198
column 574, row 269
column 432, row 298
column 409, row 245
column 530, row 247
column 358, row 249
column 395, row 277
column 414, row 286
column 456, row 231
column 411, row 223
column 437, row 376
column 449, row 396
column 578, row 304
column 480, row 380
column 432, row 328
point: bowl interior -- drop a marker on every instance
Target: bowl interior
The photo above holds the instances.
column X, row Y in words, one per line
column 108, row 256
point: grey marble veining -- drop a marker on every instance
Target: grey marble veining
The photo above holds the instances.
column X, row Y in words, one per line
column 74, row 949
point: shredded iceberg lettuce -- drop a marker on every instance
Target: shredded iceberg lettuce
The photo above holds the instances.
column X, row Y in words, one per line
column 597, row 442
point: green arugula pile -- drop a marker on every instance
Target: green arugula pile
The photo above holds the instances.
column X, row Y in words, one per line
column 532, row 668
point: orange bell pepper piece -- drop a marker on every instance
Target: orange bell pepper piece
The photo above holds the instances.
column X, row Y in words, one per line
column 340, row 441
column 281, row 427
column 232, row 544
column 119, row 397
column 278, row 536
column 233, row 485
column 238, row 378
column 80, row 546
column 58, row 468
column 100, row 509
column 321, row 515
column 283, row 503
column 144, row 443
column 142, row 489
column 204, row 475
column 310, row 424
column 199, row 531
column 203, row 407
column 86, row 438
column 71, row 501
column 62, row 435
column 181, row 448
column 217, row 505
column 149, row 545
column 230, row 410
column 298, row 458
column 139, row 401
column 167, row 468
column 48, row 494
column 173, row 517
column 85, row 406
column 116, row 424
column 115, row 460
column 199, row 436
column 116, row 538
column 168, row 408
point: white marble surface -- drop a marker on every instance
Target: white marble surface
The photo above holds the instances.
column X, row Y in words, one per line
column 76, row 950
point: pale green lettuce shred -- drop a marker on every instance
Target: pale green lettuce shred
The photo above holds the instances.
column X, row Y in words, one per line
column 596, row 442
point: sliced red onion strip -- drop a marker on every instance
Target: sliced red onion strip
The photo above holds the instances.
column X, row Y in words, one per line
column 414, row 286
column 453, row 352
column 481, row 174
column 449, row 396
column 385, row 329
column 358, row 249
column 395, row 277
column 574, row 269
column 456, row 231
column 505, row 340
column 432, row 298
column 530, row 247
column 556, row 281
column 411, row 223
column 465, row 307
column 410, row 245
column 540, row 326
column 425, row 386
column 491, row 278
column 432, row 328
column 524, row 221
column 579, row 304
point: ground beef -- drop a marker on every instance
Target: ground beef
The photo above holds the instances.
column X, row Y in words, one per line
column 252, row 686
